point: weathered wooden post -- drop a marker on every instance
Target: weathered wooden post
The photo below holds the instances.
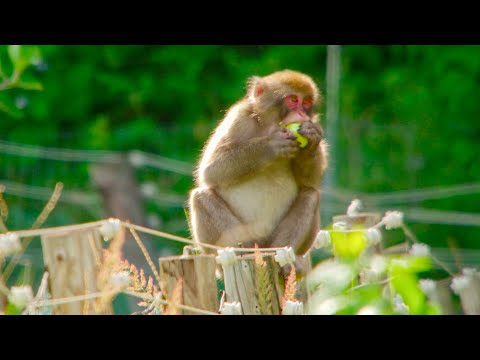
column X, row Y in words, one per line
column 72, row 259
column 438, row 292
column 467, row 286
column 254, row 281
column 199, row 283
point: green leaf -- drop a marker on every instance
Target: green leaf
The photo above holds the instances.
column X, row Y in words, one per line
column 11, row 309
column 22, row 56
column 409, row 264
column 407, row 286
column 10, row 110
column 29, row 85
column 14, row 53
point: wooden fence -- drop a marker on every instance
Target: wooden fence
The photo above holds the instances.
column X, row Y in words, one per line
column 79, row 272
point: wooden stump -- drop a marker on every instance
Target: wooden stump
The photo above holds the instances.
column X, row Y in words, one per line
column 199, row 282
column 258, row 288
column 72, row 259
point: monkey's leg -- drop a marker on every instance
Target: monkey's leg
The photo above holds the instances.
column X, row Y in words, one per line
column 213, row 222
column 300, row 225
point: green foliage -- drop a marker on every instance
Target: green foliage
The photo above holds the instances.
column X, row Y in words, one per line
column 11, row 309
column 356, row 281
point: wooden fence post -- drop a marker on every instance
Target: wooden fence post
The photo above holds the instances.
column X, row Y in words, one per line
column 258, row 287
column 199, row 284
column 438, row 292
column 467, row 286
column 72, row 259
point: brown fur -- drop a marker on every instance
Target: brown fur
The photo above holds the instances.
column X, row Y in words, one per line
column 253, row 183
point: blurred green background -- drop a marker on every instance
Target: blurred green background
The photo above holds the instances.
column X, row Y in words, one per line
column 408, row 120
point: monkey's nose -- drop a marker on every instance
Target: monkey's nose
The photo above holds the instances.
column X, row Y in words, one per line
column 302, row 114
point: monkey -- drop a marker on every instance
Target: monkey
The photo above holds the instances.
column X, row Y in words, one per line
column 253, row 183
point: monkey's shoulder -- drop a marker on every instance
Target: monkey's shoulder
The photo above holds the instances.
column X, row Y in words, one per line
column 240, row 117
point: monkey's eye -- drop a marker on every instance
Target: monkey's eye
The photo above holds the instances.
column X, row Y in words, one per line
column 307, row 103
column 291, row 101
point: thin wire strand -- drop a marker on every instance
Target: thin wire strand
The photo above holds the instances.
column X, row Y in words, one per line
column 164, row 302
column 72, row 299
column 410, row 235
column 36, row 224
column 191, row 242
column 146, row 254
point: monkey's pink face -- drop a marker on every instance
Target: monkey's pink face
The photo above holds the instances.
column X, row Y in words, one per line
column 298, row 107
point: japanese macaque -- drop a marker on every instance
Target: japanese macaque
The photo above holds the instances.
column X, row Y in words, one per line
column 254, row 183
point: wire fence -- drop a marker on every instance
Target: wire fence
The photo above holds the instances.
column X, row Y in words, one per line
column 61, row 163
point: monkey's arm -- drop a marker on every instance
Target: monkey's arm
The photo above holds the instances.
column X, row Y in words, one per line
column 233, row 160
column 301, row 223
column 308, row 167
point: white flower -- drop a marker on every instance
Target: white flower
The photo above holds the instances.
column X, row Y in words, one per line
column 420, row 250
column 330, row 275
column 399, row 307
column 374, row 236
column 233, row 308
column 20, row 296
column 428, row 286
column 285, row 256
column 375, row 270
column 226, row 257
column 148, row 189
column 378, row 264
column 368, row 310
column 120, row 279
column 330, row 306
column 460, row 283
column 9, row 244
column 293, row 308
column 136, row 158
column 354, row 207
column 322, row 240
column 110, row 228
column 392, row 219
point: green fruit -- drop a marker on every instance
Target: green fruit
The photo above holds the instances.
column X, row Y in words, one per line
column 294, row 127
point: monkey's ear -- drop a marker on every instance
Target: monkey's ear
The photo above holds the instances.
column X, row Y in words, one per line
column 255, row 87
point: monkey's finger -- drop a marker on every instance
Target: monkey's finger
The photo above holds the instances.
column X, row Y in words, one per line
column 290, row 135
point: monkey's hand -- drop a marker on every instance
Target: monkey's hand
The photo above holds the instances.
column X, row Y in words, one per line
column 282, row 143
column 314, row 134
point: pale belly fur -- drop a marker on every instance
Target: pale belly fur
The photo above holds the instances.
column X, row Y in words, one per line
column 265, row 198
